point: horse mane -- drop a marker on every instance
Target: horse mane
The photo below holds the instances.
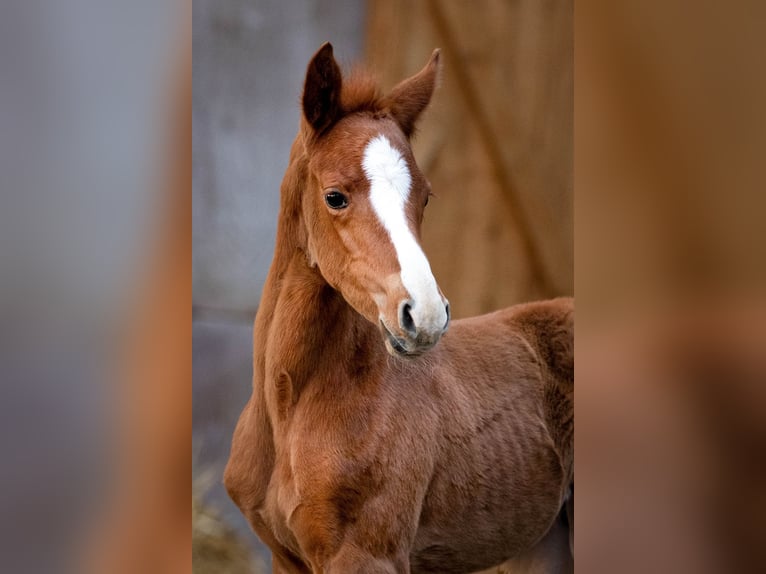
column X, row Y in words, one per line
column 360, row 92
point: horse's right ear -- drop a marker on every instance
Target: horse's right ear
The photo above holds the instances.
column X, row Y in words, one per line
column 321, row 92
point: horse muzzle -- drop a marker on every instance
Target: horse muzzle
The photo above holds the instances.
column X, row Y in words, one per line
column 417, row 331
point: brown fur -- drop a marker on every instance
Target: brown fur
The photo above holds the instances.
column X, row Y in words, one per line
column 347, row 459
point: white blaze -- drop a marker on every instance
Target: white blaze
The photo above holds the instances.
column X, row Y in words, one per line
column 390, row 184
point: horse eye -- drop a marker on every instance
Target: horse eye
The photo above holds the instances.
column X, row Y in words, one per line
column 336, row 200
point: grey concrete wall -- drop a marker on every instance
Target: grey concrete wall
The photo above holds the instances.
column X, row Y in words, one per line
column 250, row 57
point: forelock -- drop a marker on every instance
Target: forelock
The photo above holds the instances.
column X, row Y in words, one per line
column 360, row 93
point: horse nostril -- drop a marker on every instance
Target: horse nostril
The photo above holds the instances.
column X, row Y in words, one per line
column 405, row 318
column 446, row 308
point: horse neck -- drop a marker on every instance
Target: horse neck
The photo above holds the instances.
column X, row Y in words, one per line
column 304, row 329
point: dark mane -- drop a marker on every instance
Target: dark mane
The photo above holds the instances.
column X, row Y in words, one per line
column 360, row 93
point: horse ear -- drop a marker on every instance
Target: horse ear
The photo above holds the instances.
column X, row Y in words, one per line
column 409, row 98
column 321, row 92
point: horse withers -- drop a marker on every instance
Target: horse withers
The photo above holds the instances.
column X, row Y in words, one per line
column 380, row 437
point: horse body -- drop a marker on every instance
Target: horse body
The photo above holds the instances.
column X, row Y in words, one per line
column 355, row 456
column 498, row 481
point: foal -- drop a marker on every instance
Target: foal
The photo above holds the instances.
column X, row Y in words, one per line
column 366, row 447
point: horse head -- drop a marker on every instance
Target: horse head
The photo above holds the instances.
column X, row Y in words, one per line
column 363, row 199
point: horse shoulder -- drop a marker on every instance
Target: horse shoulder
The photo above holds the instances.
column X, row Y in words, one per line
column 248, row 470
column 352, row 481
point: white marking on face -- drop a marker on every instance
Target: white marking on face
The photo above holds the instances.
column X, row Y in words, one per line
column 390, row 184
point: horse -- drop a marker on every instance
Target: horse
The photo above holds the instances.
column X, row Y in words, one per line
column 381, row 437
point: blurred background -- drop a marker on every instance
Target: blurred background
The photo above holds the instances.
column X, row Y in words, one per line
column 95, row 186
column 496, row 144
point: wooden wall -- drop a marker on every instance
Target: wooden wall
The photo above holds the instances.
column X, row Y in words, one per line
column 496, row 143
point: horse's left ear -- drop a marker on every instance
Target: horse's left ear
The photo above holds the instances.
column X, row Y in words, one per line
column 409, row 98
column 321, row 92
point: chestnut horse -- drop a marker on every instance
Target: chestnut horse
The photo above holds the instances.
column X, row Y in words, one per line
column 367, row 447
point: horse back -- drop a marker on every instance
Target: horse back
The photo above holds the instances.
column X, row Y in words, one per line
column 549, row 327
column 543, row 330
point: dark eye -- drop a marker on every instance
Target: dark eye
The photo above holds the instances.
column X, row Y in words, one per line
column 335, row 200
